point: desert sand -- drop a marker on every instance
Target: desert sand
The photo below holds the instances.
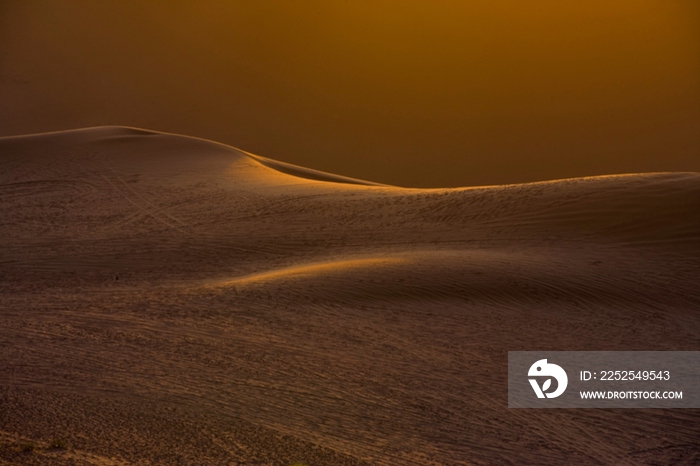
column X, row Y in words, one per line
column 171, row 300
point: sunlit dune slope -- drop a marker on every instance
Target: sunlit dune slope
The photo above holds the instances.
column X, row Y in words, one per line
column 117, row 186
column 213, row 306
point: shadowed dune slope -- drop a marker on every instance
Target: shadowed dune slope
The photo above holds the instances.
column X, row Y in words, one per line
column 166, row 299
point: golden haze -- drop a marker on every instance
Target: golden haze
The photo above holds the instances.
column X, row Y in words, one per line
column 414, row 93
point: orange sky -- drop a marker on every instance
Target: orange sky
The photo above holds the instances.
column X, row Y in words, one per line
column 414, row 93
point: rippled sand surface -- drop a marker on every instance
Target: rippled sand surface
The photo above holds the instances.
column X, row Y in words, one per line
column 170, row 300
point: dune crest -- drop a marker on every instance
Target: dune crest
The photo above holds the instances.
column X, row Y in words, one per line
column 312, row 270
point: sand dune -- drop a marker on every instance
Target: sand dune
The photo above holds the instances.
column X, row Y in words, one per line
column 170, row 300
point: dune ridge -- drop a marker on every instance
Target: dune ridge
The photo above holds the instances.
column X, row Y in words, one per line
column 167, row 299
